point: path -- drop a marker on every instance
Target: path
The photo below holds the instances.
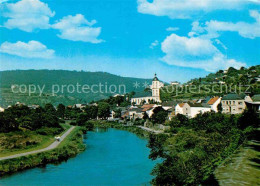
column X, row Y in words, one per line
column 151, row 130
column 52, row 146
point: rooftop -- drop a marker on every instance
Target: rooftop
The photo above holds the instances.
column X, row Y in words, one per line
column 143, row 94
column 213, row 100
column 234, row 97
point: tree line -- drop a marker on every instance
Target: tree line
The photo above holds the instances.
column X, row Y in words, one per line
column 19, row 117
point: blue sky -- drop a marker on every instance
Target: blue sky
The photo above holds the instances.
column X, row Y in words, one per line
column 178, row 39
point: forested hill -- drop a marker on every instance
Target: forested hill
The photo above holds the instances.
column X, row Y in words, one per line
column 218, row 84
column 59, row 78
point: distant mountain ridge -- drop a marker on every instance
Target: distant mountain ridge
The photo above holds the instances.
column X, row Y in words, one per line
column 57, row 78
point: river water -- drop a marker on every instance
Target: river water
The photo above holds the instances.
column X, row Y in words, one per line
column 113, row 157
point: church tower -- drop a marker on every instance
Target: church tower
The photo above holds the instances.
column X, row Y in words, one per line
column 156, row 85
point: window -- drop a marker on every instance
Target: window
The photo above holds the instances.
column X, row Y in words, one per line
column 240, row 102
column 234, row 102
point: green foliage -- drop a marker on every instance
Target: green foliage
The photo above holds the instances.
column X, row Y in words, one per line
column 17, row 117
column 91, row 111
column 68, row 148
column 159, row 115
column 61, row 110
column 195, row 147
column 48, row 78
column 212, row 85
column 103, row 110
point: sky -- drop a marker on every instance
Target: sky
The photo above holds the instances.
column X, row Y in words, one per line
column 177, row 39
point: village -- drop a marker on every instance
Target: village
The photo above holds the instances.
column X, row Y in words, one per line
column 143, row 106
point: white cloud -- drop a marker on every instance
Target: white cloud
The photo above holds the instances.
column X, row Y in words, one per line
column 170, row 29
column 32, row 49
column 27, row 15
column 77, row 28
column 212, row 28
column 154, row 44
column 195, row 52
column 186, row 9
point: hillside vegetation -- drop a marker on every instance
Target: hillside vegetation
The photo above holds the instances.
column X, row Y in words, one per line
column 48, row 78
column 217, row 84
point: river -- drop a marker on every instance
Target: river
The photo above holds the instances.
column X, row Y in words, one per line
column 113, row 157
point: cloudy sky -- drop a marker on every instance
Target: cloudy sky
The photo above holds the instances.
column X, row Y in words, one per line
column 178, row 39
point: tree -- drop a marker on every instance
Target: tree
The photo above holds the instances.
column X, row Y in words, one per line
column 248, row 118
column 103, row 110
column 117, row 113
column 91, row 111
column 50, row 108
column 145, row 116
column 219, row 107
column 61, row 110
column 159, row 115
column 82, row 119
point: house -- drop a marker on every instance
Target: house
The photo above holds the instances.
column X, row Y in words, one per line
column 254, row 104
column 175, row 83
column 191, row 109
column 213, row 103
column 2, row 109
column 148, row 96
column 168, row 105
column 197, row 108
column 135, row 113
column 234, row 103
column 149, row 109
column 80, row 106
column 182, row 108
column 34, row 106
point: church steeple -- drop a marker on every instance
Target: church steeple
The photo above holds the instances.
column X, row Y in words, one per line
column 155, row 77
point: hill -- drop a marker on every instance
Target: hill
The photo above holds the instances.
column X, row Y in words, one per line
column 60, row 86
column 219, row 83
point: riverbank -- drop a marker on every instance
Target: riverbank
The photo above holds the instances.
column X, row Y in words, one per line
column 69, row 147
column 133, row 129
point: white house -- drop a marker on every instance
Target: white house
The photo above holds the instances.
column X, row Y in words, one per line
column 2, row 109
column 191, row 109
column 197, row 109
column 182, row 108
column 214, row 102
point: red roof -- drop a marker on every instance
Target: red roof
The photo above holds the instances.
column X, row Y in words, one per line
column 213, row 100
column 147, row 107
column 181, row 104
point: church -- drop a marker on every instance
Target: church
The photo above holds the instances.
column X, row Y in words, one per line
column 153, row 95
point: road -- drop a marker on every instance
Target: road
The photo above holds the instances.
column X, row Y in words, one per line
column 52, row 146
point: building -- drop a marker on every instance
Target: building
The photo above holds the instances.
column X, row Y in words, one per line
column 175, row 83
column 182, row 108
column 169, row 105
column 2, row 109
column 255, row 104
column 213, row 103
column 149, row 96
column 191, row 109
column 234, row 103
column 135, row 113
column 197, row 108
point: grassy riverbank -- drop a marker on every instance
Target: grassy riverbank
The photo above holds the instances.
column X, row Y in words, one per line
column 71, row 146
column 25, row 141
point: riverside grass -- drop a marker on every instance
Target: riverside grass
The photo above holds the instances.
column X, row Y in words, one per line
column 70, row 147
